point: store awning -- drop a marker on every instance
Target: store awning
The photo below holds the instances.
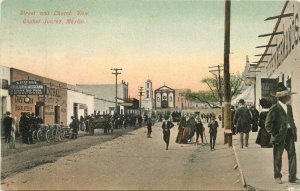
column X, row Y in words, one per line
column 126, row 104
column 247, row 95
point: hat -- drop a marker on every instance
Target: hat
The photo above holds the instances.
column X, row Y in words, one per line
column 8, row 113
column 242, row 101
column 213, row 117
column 282, row 91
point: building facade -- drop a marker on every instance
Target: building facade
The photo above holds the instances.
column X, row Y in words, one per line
column 181, row 102
column 79, row 103
column 104, row 100
column 164, row 97
column 4, row 95
column 148, row 101
column 45, row 97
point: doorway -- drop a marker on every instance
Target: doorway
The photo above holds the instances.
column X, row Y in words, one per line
column 57, row 114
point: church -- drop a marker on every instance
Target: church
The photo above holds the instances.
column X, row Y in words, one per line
column 164, row 97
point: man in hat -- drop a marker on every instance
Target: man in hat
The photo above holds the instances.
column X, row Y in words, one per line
column 242, row 122
column 7, row 122
column 166, row 126
column 280, row 124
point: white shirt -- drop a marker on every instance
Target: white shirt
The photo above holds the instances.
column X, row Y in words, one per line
column 284, row 106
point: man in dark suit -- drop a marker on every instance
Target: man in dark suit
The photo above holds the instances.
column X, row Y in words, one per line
column 280, row 124
column 7, row 122
column 166, row 126
column 242, row 122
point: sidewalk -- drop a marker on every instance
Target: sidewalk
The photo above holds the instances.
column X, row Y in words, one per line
column 256, row 164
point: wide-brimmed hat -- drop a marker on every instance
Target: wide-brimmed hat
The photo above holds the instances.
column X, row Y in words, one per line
column 282, row 91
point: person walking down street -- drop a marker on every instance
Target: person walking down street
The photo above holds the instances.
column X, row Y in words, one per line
column 149, row 127
column 191, row 123
column 213, row 130
column 280, row 124
column 166, row 126
column 263, row 137
column 242, row 121
column 199, row 129
column 255, row 115
column 181, row 126
column 74, row 126
column 186, row 131
column 7, row 122
column 12, row 144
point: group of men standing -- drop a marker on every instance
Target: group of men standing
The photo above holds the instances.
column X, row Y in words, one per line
column 277, row 129
column 27, row 124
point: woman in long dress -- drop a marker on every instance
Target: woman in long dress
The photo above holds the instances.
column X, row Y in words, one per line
column 181, row 126
column 263, row 137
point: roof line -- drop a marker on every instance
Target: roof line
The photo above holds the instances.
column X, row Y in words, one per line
column 274, row 30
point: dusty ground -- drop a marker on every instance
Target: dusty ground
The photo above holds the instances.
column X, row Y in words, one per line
column 25, row 157
column 134, row 162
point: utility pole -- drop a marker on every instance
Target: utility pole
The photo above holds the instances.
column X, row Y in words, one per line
column 218, row 80
column 141, row 94
column 116, row 73
column 227, row 90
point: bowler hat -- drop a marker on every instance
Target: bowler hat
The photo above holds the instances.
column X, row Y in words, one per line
column 242, row 101
column 282, row 91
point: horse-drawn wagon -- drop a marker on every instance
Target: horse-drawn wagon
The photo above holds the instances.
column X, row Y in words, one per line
column 101, row 122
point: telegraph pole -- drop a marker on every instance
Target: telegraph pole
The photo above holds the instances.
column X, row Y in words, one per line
column 116, row 73
column 227, row 96
column 141, row 94
column 218, row 80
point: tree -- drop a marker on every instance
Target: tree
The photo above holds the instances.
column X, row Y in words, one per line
column 215, row 93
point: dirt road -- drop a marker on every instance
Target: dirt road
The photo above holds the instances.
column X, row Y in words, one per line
column 135, row 162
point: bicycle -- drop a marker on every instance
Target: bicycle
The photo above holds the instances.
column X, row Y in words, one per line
column 54, row 133
column 41, row 132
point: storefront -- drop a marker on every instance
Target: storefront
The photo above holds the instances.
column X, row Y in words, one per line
column 42, row 96
column 281, row 59
column 5, row 102
column 79, row 103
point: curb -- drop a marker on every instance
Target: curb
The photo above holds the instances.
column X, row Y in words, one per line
column 244, row 184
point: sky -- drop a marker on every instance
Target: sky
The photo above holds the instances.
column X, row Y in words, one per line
column 169, row 42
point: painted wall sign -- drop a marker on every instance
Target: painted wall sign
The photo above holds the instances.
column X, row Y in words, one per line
column 26, row 87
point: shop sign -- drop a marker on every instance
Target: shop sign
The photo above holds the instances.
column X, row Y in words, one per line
column 26, row 87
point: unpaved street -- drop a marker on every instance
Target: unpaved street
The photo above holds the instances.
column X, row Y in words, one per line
column 135, row 162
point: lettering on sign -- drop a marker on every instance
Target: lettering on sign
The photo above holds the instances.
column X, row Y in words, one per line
column 289, row 42
column 23, row 108
column 26, row 87
column 27, row 100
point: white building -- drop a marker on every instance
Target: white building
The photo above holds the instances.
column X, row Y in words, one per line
column 79, row 103
column 4, row 96
column 105, row 94
column 280, row 61
column 148, row 101
column 164, row 97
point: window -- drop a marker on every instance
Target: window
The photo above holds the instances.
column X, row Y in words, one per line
column 4, row 84
column 158, row 99
column 147, row 93
column 171, row 98
column 148, row 85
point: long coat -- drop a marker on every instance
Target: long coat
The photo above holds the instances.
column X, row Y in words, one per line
column 276, row 124
column 242, row 120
